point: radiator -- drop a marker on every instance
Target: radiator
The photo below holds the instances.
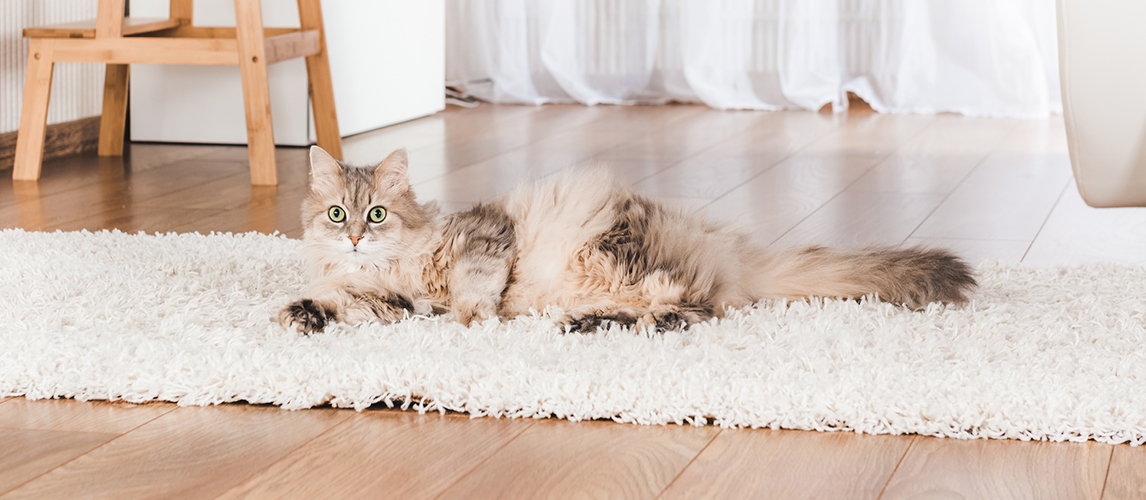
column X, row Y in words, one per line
column 77, row 89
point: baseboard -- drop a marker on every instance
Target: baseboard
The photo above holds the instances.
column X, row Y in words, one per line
column 62, row 139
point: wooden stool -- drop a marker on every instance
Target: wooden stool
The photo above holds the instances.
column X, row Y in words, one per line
column 114, row 39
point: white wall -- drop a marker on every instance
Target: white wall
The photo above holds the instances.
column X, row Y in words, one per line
column 77, row 89
column 387, row 61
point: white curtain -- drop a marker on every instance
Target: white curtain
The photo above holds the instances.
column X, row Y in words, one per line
column 976, row 57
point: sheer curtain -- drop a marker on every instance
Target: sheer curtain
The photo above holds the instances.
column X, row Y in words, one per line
column 976, row 57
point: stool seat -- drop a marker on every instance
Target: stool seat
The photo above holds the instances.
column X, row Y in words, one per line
column 87, row 29
column 119, row 41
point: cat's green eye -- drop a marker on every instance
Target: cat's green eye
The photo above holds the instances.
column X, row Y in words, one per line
column 377, row 214
column 337, row 214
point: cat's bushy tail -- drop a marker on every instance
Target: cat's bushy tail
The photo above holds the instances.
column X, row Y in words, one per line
column 913, row 277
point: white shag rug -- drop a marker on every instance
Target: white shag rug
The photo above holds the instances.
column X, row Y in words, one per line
column 1045, row 354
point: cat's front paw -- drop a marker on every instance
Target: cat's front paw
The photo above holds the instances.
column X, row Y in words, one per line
column 306, row 316
column 475, row 311
column 663, row 321
column 669, row 319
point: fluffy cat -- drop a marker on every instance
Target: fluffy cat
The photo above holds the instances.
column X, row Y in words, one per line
column 598, row 250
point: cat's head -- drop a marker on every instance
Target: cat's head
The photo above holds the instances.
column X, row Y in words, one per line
column 362, row 215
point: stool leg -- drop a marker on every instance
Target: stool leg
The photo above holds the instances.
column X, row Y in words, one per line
column 256, row 95
column 320, row 86
column 115, row 86
column 34, row 115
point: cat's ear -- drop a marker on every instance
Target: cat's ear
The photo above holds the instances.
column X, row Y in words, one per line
column 394, row 171
column 324, row 170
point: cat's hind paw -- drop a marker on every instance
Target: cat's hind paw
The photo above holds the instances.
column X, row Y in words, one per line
column 589, row 323
column 306, row 316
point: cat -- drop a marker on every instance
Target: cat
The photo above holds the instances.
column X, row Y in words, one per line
column 598, row 250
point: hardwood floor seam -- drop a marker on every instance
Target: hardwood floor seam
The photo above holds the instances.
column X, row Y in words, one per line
column 73, row 459
column 896, row 468
column 1045, row 219
column 763, row 171
column 478, row 160
column 483, row 461
column 126, row 159
column 783, row 159
column 669, row 165
column 82, row 215
column 236, row 176
column 243, row 481
column 968, row 175
column 1106, row 477
column 473, row 164
column 857, row 179
column 948, row 195
column 689, row 464
column 446, row 113
column 4, row 493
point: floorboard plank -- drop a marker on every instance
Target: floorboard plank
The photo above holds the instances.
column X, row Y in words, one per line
column 79, row 416
column 135, row 218
column 976, row 251
column 709, row 177
column 737, row 159
column 1047, row 136
column 370, row 147
column 77, row 172
column 1007, row 197
column 918, row 173
column 403, row 454
column 684, row 138
column 580, row 146
column 778, row 199
column 189, row 453
column 856, row 219
column 142, row 156
column 868, row 133
column 761, row 463
column 561, row 459
column 1076, row 234
column 241, row 155
column 267, row 210
column 27, row 454
column 229, row 191
column 117, row 201
column 951, row 134
column 1127, row 476
column 1001, row 470
column 479, row 143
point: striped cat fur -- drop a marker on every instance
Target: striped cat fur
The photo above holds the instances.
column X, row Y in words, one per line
column 598, row 250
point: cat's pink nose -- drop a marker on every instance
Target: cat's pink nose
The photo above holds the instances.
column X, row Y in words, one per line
column 356, row 239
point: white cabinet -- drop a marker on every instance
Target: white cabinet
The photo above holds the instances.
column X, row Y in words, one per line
column 387, row 61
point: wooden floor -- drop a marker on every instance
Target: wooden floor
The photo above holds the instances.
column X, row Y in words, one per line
column 987, row 188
